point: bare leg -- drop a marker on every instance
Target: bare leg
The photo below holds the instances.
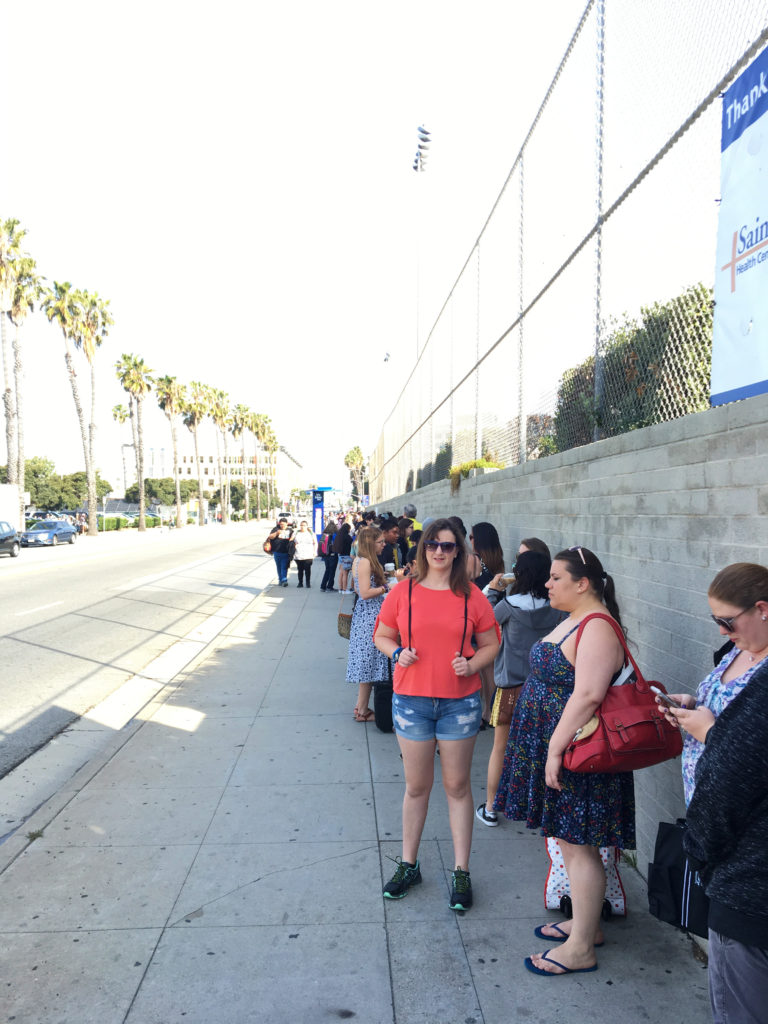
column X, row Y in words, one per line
column 455, row 763
column 363, row 696
column 489, row 689
column 496, row 764
column 419, row 767
column 587, row 878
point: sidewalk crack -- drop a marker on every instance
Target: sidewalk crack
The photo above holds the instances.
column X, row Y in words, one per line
column 199, row 911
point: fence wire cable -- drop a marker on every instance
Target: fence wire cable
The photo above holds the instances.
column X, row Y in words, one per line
column 711, row 96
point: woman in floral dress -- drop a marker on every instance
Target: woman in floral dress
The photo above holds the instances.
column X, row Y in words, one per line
column 365, row 664
column 584, row 812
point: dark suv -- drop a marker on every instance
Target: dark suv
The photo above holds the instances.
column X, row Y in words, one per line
column 9, row 540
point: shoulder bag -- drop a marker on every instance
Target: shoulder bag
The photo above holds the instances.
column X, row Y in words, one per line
column 344, row 621
column 628, row 731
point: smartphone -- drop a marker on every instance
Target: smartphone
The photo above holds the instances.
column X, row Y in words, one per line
column 666, row 699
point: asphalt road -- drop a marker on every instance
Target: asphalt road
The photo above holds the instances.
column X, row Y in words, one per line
column 79, row 621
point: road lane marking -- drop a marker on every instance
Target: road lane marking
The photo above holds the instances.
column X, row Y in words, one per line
column 40, row 608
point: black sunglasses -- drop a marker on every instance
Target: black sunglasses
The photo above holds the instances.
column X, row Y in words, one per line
column 444, row 545
column 727, row 623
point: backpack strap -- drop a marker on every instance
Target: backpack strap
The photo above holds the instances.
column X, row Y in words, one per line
column 463, row 635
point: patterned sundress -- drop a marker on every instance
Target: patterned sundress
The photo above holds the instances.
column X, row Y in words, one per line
column 590, row 810
column 365, row 663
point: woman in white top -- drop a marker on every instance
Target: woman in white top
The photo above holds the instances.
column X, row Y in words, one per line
column 306, row 549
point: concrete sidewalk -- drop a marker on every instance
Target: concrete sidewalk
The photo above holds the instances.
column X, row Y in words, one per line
column 223, row 862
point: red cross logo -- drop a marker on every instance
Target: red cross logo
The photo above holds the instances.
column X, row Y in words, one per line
column 731, row 265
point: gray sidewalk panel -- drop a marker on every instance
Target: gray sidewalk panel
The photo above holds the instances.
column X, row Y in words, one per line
column 224, row 860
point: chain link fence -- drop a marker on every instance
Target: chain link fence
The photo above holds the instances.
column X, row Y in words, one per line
column 584, row 309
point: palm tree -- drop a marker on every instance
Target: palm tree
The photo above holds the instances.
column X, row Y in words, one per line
column 261, row 427
column 10, row 253
column 63, row 305
column 134, row 376
column 95, row 324
column 221, row 415
column 84, row 321
column 171, row 397
column 120, row 415
column 355, row 463
column 195, row 411
column 28, row 290
column 241, row 417
column 272, row 446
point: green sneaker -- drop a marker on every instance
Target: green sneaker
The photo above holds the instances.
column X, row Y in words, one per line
column 402, row 880
column 461, row 890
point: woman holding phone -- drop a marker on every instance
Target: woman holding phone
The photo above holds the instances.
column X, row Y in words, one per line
column 425, row 626
column 738, row 601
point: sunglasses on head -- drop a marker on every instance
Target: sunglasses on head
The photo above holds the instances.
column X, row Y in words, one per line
column 581, row 553
column 727, row 623
column 444, row 545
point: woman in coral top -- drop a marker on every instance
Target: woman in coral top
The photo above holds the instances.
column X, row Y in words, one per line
column 425, row 625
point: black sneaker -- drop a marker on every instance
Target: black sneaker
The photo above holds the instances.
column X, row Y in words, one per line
column 405, row 876
column 461, row 890
column 487, row 817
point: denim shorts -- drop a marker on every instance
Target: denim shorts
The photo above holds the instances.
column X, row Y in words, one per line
column 345, row 562
column 441, row 718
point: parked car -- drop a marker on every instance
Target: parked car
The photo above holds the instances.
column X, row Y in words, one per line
column 49, row 531
column 9, row 539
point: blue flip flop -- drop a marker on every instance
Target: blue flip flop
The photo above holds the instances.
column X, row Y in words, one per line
column 531, row 966
column 539, row 933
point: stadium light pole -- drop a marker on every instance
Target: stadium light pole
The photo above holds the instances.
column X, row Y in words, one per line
column 419, row 166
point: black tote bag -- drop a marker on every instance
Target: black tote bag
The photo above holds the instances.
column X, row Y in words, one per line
column 675, row 892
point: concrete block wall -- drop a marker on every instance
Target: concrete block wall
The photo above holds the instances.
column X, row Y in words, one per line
column 664, row 508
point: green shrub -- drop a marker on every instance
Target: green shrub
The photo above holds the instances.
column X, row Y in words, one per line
column 655, row 368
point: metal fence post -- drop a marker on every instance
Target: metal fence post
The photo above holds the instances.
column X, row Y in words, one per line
column 599, row 363
column 522, row 431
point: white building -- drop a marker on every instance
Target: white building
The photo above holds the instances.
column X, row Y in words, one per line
column 278, row 469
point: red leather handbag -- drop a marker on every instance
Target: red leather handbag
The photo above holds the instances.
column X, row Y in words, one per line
column 631, row 730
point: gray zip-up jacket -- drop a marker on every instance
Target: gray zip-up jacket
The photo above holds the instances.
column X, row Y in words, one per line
column 524, row 619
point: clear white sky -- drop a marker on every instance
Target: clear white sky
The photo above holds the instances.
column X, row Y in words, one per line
column 236, row 178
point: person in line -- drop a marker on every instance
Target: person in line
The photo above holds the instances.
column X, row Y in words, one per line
column 725, row 828
column 280, row 538
column 525, row 616
column 330, row 558
column 409, row 512
column 366, row 665
column 342, row 547
column 488, row 562
column 474, row 569
column 726, row 839
column 405, row 529
column 534, row 544
column 306, row 549
column 391, row 553
column 738, row 599
column 486, row 545
column 425, row 626
column 584, row 812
